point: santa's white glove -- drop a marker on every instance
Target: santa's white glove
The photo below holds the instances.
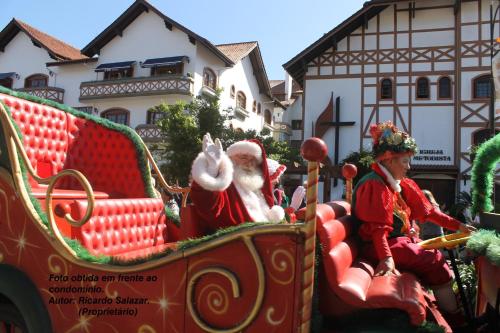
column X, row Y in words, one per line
column 298, row 197
column 213, row 153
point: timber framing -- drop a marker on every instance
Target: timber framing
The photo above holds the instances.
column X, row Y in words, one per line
column 362, row 48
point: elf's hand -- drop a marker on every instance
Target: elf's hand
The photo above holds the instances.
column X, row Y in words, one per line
column 297, row 197
column 213, row 153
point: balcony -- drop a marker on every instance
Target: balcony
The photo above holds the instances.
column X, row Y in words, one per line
column 52, row 93
column 241, row 113
column 149, row 133
column 138, row 86
column 269, row 127
column 283, row 128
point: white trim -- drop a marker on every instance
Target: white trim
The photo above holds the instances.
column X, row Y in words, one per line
column 219, row 182
column 245, row 147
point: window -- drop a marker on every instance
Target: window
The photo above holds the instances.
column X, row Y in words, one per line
column 241, row 100
column 297, row 124
column 254, row 106
column 154, row 116
column 168, row 69
column 444, row 87
column 423, row 88
column 7, row 82
column 259, row 109
column 482, row 86
column 232, row 91
column 482, row 135
column 36, row 81
column 116, row 74
column 120, row 116
column 209, row 78
column 267, row 117
column 386, row 89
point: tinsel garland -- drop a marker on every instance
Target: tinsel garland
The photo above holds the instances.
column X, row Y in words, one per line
column 485, row 243
column 482, row 175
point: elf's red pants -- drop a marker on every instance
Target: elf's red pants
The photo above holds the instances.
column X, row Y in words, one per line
column 428, row 265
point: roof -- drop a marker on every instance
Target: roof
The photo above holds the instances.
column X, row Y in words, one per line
column 124, row 20
column 297, row 65
column 57, row 49
column 238, row 51
column 278, row 87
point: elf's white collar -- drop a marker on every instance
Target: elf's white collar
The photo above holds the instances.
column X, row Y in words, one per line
column 390, row 179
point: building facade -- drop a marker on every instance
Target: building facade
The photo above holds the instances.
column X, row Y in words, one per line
column 425, row 65
column 141, row 60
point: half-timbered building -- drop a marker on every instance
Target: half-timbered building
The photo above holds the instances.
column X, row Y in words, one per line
column 423, row 64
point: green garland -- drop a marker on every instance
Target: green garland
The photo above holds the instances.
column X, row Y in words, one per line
column 485, row 243
column 482, row 175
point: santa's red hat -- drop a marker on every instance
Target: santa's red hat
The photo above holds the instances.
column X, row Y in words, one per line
column 254, row 148
column 275, row 169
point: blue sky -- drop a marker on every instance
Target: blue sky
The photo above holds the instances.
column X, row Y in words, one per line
column 283, row 28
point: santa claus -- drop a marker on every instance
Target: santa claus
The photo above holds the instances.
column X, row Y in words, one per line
column 233, row 187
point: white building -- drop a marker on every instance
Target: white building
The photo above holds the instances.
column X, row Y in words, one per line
column 423, row 64
column 142, row 59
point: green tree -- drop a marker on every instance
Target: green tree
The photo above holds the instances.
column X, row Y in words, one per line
column 183, row 126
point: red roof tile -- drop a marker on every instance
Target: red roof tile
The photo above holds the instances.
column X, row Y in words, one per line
column 54, row 45
column 237, row 51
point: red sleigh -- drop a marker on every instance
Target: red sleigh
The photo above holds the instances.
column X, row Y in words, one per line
column 77, row 203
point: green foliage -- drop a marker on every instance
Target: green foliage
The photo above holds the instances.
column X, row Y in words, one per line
column 362, row 160
column 184, row 124
column 482, row 175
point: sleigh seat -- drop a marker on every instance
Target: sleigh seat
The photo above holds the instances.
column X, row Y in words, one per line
column 347, row 283
column 128, row 219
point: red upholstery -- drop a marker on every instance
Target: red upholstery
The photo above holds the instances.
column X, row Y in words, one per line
column 349, row 279
column 121, row 225
column 106, row 157
column 55, row 140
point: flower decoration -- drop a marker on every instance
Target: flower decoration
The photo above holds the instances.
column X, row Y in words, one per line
column 389, row 141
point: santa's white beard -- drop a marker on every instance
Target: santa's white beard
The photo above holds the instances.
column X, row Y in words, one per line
column 250, row 180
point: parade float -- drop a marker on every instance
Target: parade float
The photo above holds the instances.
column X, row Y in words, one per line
column 87, row 246
column 485, row 244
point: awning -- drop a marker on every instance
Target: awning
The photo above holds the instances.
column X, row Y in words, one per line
column 7, row 75
column 114, row 66
column 168, row 61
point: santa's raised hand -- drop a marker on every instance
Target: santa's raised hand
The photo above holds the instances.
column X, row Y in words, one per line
column 213, row 153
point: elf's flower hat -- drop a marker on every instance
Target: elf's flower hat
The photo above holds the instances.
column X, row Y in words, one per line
column 389, row 141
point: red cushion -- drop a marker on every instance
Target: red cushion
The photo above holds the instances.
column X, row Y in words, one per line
column 44, row 131
column 121, row 225
column 40, row 192
column 351, row 279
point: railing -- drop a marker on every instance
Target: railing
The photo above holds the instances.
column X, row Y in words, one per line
column 269, row 127
column 139, row 86
column 241, row 113
column 149, row 133
column 52, row 93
